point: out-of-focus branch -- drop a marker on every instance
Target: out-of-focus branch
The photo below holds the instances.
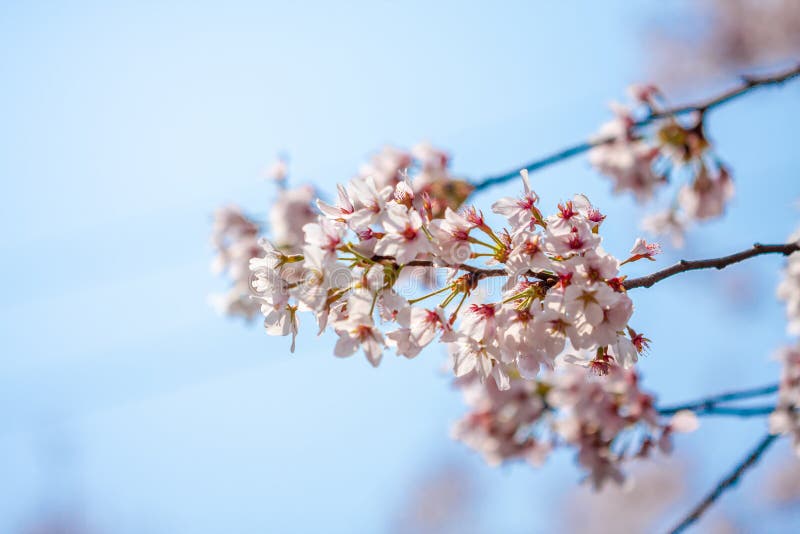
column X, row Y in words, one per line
column 726, row 483
column 744, row 411
column 537, row 164
column 710, row 404
column 748, row 83
column 714, row 263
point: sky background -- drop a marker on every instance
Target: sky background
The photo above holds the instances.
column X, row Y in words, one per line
column 126, row 402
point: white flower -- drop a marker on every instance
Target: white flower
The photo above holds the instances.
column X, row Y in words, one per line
column 405, row 238
column 280, row 319
column 451, row 237
column 342, row 210
column 527, row 254
column 479, row 322
column 358, row 330
column 419, row 327
column 643, row 250
column 573, row 238
column 595, row 266
column 589, row 303
column 369, row 201
column 521, row 213
column 324, row 234
column 519, row 341
column 472, row 355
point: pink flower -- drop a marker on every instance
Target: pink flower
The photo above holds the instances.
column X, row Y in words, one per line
column 527, row 254
column 451, row 237
column 480, row 322
column 470, row 355
column 369, row 202
column 521, row 213
column 324, row 234
column 643, row 250
column 342, row 210
column 575, row 238
column 405, row 238
column 358, row 330
column 419, row 328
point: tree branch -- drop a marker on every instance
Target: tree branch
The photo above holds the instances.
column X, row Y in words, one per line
column 710, row 403
column 732, row 411
column 726, row 483
column 632, row 283
column 747, row 84
column 714, row 263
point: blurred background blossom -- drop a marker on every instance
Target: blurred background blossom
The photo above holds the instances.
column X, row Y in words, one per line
column 128, row 405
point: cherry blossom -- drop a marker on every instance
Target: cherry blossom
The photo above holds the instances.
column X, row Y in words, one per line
column 405, row 238
column 789, row 288
column 533, row 311
column 235, row 237
column 707, row 196
column 786, row 417
column 290, row 212
column 562, row 291
column 643, row 148
column 357, row 329
column 628, row 160
column 607, row 420
column 643, row 250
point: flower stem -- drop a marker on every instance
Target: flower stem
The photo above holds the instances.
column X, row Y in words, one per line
column 423, row 297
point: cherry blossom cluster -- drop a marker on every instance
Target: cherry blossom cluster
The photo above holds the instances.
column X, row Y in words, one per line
column 789, row 288
column 606, row 419
column 235, row 234
column 642, row 155
column 426, row 168
column 786, row 417
column 561, row 289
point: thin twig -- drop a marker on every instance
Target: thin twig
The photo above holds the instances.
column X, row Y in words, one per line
column 726, row 483
column 732, row 411
column 748, row 83
column 742, row 411
column 714, row 263
column 711, row 402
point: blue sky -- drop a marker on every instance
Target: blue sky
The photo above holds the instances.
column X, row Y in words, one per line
column 124, row 396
